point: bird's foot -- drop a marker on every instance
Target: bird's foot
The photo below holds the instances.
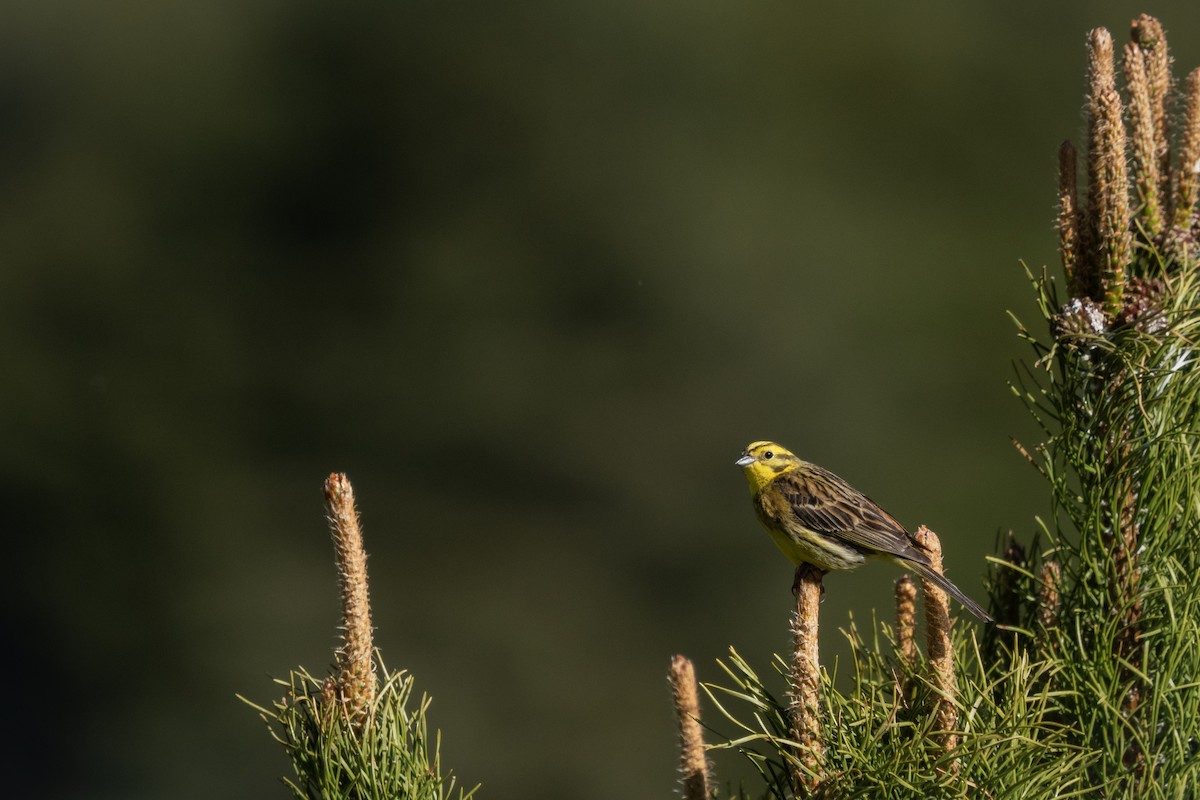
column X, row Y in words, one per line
column 806, row 572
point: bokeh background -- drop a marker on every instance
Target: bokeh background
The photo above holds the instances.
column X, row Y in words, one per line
column 532, row 274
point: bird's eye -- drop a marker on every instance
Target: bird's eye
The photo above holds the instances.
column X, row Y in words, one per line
column 768, row 455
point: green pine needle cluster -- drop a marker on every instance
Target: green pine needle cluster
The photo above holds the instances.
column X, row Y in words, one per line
column 384, row 755
column 880, row 738
column 1121, row 410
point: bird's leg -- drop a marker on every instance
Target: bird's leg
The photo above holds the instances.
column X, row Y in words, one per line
column 801, row 571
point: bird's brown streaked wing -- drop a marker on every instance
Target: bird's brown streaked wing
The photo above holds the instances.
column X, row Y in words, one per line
column 825, row 503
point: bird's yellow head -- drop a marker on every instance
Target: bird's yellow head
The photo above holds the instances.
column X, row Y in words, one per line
column 763, row 462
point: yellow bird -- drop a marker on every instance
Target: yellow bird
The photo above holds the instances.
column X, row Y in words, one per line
column 817, row 518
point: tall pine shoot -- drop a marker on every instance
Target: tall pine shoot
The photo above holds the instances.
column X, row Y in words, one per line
column 359, row 733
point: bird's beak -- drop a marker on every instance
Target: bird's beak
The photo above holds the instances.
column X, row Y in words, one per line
column 746, row 460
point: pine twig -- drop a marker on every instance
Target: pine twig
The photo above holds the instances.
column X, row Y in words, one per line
column 937, row 644
column 1108, row 183
column 693, row 765
column 353, row 687
column 1070, row 224
column 1050, row 577
column 1187, row 188
column 906, row 620
column 1146, row 156
column 1010, row 581
column 1147, row 32
column 906, row 630
column 806, row 678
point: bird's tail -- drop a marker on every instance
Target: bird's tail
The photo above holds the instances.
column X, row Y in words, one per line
column 942, row 582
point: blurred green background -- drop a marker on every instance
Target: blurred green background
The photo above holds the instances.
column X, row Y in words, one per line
column 532, row 274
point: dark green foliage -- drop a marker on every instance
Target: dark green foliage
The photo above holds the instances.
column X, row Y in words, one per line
column 1123, row 460
column 880, row 744
column 386, row 756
